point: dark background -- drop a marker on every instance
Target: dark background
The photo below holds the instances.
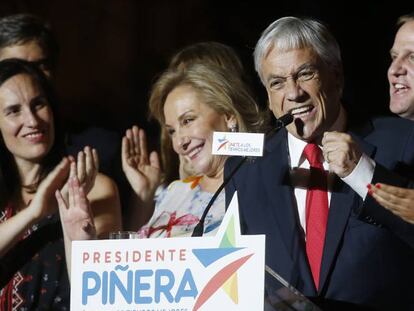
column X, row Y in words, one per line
column 113, row 50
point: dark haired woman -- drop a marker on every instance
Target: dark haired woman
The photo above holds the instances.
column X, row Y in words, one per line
column 32, row 167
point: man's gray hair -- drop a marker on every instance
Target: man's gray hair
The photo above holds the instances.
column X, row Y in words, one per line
column 290, row 32
column 404, row 19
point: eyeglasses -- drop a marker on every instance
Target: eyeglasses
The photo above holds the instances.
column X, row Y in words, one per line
column 303, row 75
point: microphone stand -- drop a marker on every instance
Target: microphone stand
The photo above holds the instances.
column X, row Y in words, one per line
column 199, row 228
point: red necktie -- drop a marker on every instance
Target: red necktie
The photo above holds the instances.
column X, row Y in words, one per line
column 316, row 210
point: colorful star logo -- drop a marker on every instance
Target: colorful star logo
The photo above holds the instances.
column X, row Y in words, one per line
column 223, row 142
column 226, row 278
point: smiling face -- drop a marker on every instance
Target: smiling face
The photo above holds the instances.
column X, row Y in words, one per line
column 26, row 119
column 401, row 72
column 298, row 82
column 190, row 123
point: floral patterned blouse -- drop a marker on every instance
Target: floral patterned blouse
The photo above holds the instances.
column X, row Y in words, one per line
column 33, row 273
column 178, row 209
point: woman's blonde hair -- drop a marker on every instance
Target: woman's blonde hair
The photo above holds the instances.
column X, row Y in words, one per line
column 224, row 92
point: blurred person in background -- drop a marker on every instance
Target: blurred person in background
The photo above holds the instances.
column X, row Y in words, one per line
column 398, row 200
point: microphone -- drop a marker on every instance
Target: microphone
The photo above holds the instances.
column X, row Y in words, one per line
column 283, row 121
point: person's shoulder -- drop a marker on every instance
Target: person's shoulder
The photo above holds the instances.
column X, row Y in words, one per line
column 104, row 186
column 104, row 180
column 384, row 126
column 394, row 121
column 105, row 205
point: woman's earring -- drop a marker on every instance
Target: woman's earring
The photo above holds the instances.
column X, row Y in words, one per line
column 233, row 128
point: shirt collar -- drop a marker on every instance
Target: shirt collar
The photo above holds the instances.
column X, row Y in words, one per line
column 297, row 158
column 296, row 147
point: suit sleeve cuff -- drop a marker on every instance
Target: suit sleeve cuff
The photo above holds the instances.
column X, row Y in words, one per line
column 361, row 176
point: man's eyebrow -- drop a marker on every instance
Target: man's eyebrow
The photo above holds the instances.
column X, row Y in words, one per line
column 273, row 76
column 11, row 107
column 306, row 66
column 39, row 97
column 300, row 68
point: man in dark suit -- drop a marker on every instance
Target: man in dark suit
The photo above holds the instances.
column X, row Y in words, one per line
column 401, row 81
column 308, row 194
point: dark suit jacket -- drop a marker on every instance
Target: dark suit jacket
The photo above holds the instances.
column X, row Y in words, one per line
column 368, row 255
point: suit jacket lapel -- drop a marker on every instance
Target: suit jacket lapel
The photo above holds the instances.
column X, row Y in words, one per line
column 343, row 199
column 279, row 190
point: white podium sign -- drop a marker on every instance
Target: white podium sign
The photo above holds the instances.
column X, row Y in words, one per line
column 238, row 144
column 224, row 272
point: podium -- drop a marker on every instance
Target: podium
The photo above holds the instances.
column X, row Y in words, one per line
column 284, row 297
column 221, row 272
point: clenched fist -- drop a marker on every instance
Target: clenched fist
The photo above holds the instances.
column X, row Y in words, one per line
column 341, row 152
